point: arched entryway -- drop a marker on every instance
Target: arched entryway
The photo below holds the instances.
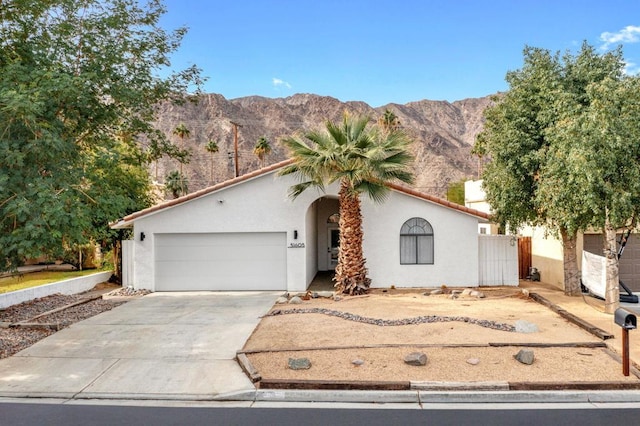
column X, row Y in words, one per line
column 324, row 224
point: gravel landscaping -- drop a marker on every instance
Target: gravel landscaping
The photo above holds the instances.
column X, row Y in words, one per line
column 464, row 339
column 14, row 339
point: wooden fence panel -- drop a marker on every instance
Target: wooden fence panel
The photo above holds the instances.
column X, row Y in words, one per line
column 524, row 257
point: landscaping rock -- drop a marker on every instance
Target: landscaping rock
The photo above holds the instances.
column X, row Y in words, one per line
column 453, row 296
column 456, row 292
column 416, row 358
column 525, row 356
column 295, row 300
column 299, row 363
column 357, row 362
column 523, row 326
column 466, row 292
column 325, row 294
column 436, row 291
column 395, row 322
column 281, row 300
column 477, row 294
column 473, row 361
column 337, row 298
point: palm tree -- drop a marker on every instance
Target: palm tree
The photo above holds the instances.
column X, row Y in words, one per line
column 182, row 132
column 261, row 149
column 363, row 160
column 154, row 154
column 176, row 182
column 389, row 121
column 212, row 148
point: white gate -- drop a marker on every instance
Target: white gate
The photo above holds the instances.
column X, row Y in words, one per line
column 498, row 260
column 127, row 263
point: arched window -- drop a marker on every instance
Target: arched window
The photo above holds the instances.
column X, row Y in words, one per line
column 416, row 242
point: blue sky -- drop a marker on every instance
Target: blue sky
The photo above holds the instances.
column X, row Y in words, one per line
column 384, row 52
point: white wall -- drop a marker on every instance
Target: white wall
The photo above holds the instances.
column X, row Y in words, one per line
column 262, row 205
column 70, row 286
column 128, row 246
column 259, row 205
column 326, row 207
column 455, row 244
column 311, row 237
column 475, row 197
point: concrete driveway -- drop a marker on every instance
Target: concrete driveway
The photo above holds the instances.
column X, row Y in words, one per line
column 161, row 346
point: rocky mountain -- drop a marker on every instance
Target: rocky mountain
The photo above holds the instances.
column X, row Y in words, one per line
column 443, row 132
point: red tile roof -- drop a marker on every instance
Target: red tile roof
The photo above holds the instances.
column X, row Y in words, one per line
column 128, row 220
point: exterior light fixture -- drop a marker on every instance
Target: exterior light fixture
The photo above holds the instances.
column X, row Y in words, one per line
column 142, row 236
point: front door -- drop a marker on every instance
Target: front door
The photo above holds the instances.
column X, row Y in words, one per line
column 333, row 238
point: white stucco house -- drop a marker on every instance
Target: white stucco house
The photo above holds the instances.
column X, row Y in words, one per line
column 248, row 234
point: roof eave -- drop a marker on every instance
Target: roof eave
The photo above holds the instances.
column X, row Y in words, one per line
column 127, row 221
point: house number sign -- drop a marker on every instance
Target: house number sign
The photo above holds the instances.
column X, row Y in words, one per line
column 296, row 245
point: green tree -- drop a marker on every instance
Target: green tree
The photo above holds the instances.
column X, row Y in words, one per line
column 362, row 159
column 593, row 168
column 532, row 178
column 262, row 149
column 211, row 147
column 455, row 192
column 176, row 183
column 78, row 87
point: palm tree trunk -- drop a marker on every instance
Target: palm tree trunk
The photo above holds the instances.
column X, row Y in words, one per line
column 351, row 272
column 211, row 170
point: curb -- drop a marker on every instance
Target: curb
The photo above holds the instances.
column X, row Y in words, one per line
column 359, row 397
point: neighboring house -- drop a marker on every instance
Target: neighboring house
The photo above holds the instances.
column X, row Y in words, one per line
column 546, row 249
column 248, row 234
column 474, row 198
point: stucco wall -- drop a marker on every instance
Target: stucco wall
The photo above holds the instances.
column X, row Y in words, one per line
column 70, row 286
column 326, row 207
column 262, row 205
column 311, row 238
column 546, row 255
column 259, row 205
column 455, row 244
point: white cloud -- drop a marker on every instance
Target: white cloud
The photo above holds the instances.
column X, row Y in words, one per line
column 629, row 34
column 631, row 68
column 280, row 83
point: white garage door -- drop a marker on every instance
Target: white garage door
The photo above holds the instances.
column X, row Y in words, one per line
column 221, row 261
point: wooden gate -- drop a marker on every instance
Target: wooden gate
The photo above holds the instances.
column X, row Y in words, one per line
column 524, row 257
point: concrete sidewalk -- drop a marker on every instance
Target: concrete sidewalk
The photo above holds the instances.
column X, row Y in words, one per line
column 162, row 346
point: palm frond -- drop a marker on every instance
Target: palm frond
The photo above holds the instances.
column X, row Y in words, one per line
column 297, row 189
column 351, row 152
